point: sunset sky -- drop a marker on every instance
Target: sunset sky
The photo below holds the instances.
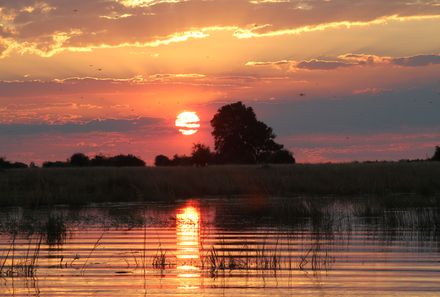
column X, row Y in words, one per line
column 337, row 80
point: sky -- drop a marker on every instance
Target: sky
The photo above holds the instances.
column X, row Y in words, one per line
column 337, row 80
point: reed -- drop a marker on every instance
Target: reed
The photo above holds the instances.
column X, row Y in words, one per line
column 160, row 259
column 259, row 258
column 95, row 246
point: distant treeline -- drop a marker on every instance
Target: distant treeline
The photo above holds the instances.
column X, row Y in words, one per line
column 82, row 160
column 202, row 155
column 7, row 165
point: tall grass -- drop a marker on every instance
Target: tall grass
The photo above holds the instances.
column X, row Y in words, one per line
column 84, row 185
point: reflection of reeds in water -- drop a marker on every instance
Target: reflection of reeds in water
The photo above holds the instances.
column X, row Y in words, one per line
column 83, row 268
column 51, row 225
column 267, row 259
column 215, row 262
column 323, row 218
column 25, row 267
column 55, row 229
column 317, row 258
column 160, row 259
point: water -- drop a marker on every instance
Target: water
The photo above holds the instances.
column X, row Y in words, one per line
column 214, row 248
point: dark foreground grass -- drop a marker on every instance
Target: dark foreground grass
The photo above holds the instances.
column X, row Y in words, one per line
column 34, row 187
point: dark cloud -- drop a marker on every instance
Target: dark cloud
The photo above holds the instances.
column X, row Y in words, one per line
column 389, row 111
column 107, row 125
column 420, row 60
column 89, row 85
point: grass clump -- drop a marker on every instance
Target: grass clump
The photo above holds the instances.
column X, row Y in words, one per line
column 160, row 259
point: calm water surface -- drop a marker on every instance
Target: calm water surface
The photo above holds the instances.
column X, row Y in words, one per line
column 213, row 248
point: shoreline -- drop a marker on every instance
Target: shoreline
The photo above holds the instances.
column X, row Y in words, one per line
column 78, row 186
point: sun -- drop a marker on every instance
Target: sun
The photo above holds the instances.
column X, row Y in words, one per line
column 188, row 122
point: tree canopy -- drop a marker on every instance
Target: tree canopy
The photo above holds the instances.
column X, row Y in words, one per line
column 79, row 160
column 201, row 154
column 436, row 156
column 240, row 138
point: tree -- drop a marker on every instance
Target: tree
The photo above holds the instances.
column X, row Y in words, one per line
column 201, row 154
column 181, row 160
column 436, row 156
column 4, row 164
column 98, row 160
column 79, row 159
column 56, row 164
column 162, row 160
column 239, row 137
column 281, row 157
column 125, row 161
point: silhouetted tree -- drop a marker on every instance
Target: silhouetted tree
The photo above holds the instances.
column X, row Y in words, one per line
column 239, row 137
column 117, row 161
column 56, row 164
column 181, row 160
column 82, row 160
column 19, row 165
column 4, row 164
column 201, row 154
column 436, row 156
column 79, row 159
column 280, row 157
column 162, row 160
column 99, row 160
column 126, row 161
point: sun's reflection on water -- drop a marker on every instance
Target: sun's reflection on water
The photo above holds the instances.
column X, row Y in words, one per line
column 188, row 246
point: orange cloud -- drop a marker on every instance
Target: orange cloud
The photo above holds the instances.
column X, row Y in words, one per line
column 46, row 28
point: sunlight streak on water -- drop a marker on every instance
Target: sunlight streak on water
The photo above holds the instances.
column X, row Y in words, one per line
column 188, row 246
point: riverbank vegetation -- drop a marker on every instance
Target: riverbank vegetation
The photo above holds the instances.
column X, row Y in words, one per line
column 79, row 185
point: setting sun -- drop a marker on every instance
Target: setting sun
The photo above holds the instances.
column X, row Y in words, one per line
column 188, row 122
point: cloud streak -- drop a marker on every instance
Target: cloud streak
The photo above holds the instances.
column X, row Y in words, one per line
column 353, row 60
column 106, row 125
